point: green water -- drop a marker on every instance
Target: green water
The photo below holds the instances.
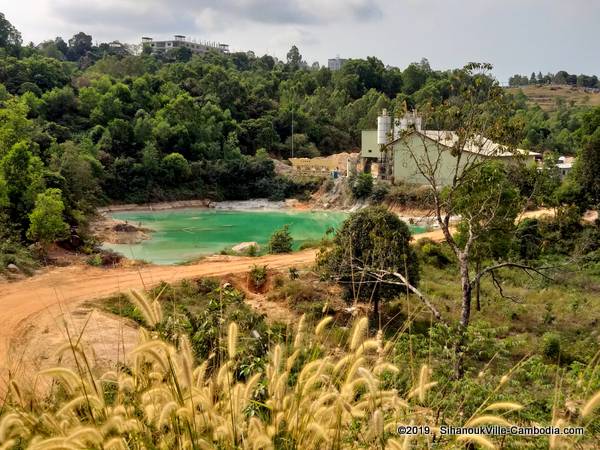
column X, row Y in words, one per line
column 183, row 234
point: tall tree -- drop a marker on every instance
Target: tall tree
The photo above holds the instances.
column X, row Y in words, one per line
column 46, row 220
column 479, row 111
column 79, row 45
column 294, row 58
column 10, row 38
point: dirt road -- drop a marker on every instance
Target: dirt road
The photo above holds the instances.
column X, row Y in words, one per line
column 62, row 288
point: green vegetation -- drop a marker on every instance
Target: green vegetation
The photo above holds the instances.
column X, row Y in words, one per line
column 281, row 241
column 371, row 239
column 362, row 185
column 497, row 324
column 193, row 360
column 46, row 223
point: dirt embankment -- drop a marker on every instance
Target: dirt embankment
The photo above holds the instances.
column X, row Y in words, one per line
column 114, row 231
column 34, row 312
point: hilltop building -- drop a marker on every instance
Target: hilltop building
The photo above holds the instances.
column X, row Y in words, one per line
column 388, row 150
column 565, row 165
column 336, row 63
column 198, row 47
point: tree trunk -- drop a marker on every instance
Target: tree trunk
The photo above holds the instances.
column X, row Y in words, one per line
column 478, row 287
column 466, row 291
column 463, row 262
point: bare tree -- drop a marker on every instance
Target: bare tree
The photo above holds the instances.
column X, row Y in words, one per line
column 466, row 187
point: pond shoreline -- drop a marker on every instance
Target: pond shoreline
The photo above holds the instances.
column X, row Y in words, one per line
column 409, row 215
column 232, row 205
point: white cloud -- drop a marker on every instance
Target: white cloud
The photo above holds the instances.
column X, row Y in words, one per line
column 515, row 35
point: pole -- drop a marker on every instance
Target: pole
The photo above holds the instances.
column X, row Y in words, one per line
column 293, row 96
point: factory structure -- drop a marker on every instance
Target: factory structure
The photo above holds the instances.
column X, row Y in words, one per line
column 389, row 152
column 178, row 41
column 336, row 63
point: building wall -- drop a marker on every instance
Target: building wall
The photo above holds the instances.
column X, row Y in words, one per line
column 368, row 144
column 335, row 63
column 405, row 168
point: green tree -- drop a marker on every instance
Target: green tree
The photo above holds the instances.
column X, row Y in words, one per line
column 588, row 168
column 79, row 45
column 22, row 173
column 294, row 58
column 46, row 220
column 362, row 185
column 371, row 240
column 176, row 168
column 488, row 203
column 281, row 241
column 10, row 38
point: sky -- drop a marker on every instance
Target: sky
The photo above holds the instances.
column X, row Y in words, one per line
column 516, row 36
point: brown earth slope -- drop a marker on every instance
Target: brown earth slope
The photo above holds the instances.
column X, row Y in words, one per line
column 44, row 299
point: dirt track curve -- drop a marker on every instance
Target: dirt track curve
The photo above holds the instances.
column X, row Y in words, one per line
column 22, row 301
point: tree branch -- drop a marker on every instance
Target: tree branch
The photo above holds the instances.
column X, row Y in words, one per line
column 381, row 274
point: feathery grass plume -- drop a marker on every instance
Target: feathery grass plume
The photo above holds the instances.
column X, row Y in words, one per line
column 358, row 334
column 116, row 443
column 300, row 332
column 15, row 390
column 151, row 310
column 12, row 426
column 477, row 439
column 591, row 405
column 322, row 325
column 8, row 444
column 553, row 440
column 232, row 338
column 494, row 420
column 424, row 384
column 70, row 379
column 327, row 398
column 509, row 406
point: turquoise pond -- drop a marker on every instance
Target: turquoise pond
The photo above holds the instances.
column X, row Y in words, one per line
column 184, row 234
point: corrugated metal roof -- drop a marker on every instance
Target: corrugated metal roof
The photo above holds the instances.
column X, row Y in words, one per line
column 478, row 144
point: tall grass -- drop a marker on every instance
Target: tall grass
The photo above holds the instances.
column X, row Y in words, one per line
column 308, row 397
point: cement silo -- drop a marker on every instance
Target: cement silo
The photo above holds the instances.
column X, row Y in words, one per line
column 384, row 124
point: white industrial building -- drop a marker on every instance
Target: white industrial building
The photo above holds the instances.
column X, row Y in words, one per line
column 336, row 63
column 198, row 47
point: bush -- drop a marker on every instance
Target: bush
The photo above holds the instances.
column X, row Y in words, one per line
column 258, row 276
column 412, row 196
column 281, row 241
column 361, row 185
column 551, row 346
column 529, row 239
column 376, row 239
column 432, row 253
column 380, row 192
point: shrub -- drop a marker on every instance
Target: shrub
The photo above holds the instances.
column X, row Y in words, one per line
column 551, row 346
column 371, row 238
column 258, row 276
column 95, row 260
column 529, row 239
column 432, row 253
column 361, row 185
column 380, row 192
column 281, row 241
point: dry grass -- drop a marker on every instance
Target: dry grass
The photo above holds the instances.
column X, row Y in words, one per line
column 547, row 96
column 308, row 396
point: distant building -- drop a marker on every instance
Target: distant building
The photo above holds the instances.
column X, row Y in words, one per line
column 336, row 63
column 389, row 150
column 198, row 47
column 339, row 164
column 565, row 165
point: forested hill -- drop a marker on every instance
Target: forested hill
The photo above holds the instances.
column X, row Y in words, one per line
column 82, row 124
